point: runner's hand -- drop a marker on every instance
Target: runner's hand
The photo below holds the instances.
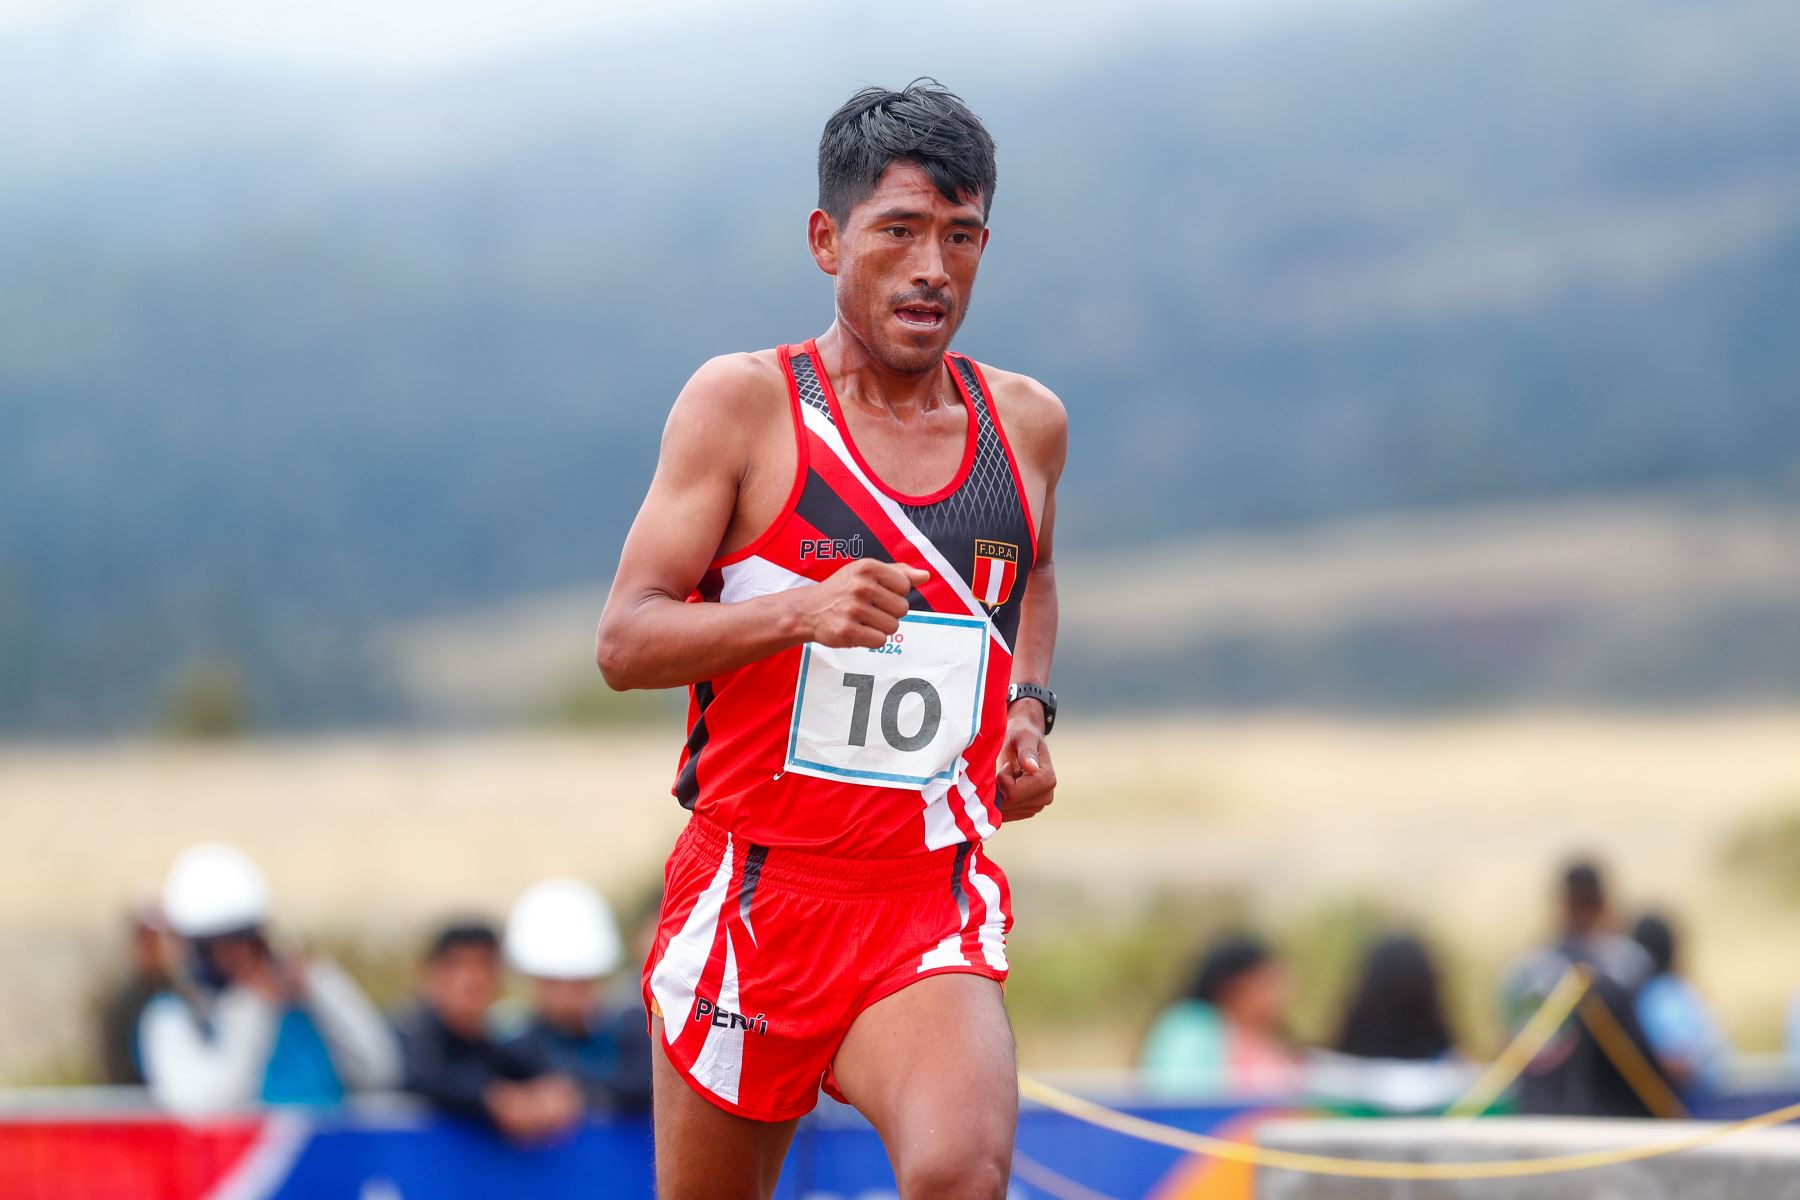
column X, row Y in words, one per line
column 861, row 605
column 1024, row 776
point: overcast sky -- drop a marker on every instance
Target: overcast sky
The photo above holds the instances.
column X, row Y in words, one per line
column 408, row 36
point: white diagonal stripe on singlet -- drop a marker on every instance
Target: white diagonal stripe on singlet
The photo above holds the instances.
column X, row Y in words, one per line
column 755, row 576
column 828, row 433
column 972, row 805
column 940, row 821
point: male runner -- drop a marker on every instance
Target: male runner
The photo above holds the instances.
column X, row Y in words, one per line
column 845, row 554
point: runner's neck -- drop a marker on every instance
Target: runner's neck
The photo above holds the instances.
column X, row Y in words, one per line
column 862, row 381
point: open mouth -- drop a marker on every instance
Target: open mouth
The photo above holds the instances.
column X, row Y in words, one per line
column 921, row 318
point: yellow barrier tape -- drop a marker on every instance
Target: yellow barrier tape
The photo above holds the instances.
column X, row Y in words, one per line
column 1630, row 1062
column 1531, row 1039
column 1102, row 1117
column 1565, row 998
column 1051, row 1183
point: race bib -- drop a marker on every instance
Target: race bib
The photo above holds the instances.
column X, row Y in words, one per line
column 897, row 715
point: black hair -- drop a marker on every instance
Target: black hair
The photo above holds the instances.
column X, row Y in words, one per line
column 459, row 935
column 925, row 123
column 1396, row 1010
column 1229, row 957
column 1583, row 888
column 1657, row 937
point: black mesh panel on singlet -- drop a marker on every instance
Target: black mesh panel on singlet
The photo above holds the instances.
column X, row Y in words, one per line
column 986, row 507
column 806, row 382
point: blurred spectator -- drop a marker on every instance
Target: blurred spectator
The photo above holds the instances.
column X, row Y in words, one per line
column 1396, row 1010
column 248, row 1024
column 1585, row 935
column 120, row 1057
column 563, row 938
column 1227, row 1034
column 1687, row 1040
column 1394, row 1052
column 1575, row 1075
column 453, row 1060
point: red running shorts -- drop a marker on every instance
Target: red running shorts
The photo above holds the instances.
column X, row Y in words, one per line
column 764, row 956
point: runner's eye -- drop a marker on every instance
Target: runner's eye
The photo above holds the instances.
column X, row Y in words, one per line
column 899, row 231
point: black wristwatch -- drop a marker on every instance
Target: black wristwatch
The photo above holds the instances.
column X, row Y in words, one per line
column 1043, row 695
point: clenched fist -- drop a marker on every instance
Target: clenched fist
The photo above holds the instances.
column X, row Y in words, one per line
column 861, row 605
column 1025, row 780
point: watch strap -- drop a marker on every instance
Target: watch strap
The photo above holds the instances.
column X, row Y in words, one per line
column 1043, row 695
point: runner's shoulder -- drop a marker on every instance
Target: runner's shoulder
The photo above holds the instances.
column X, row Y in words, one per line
column 747, row 379
column 731, row 396
column 1031, row 413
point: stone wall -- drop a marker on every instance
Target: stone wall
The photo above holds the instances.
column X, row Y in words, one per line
column 1756, row 1166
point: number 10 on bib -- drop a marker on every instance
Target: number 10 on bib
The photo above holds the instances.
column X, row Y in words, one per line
column 897, row 715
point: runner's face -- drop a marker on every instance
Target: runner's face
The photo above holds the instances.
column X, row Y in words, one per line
column 906, row 267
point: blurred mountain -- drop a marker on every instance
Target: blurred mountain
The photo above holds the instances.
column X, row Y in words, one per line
column 290, row 358
column 1567, row 604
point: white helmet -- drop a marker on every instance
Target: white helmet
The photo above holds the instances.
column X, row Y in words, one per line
column 214, row 889
column 562, row 929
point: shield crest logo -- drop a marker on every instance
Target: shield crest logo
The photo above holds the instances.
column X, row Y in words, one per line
column 996, row 570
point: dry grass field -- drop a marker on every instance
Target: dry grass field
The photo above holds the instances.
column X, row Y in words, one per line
column 1455, row 826
column 1551, row 603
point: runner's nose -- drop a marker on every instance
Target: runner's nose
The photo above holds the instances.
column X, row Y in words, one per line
column 928, row 269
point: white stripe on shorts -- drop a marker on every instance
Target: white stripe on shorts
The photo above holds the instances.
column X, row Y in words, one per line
column 720, row 1064
column 677, row 976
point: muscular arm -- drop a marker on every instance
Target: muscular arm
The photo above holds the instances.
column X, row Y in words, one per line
column 649, row 636
column 1026, row 780
column 1035, row 644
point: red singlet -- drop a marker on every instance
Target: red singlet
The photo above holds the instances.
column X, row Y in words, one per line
column 870, row 753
